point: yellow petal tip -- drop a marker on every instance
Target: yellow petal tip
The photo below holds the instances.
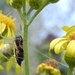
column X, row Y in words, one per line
column 65, row 28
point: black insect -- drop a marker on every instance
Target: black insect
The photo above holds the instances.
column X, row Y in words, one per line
column 19, row 52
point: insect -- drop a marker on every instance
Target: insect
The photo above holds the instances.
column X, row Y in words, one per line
column 7, row 49
column 19, row 52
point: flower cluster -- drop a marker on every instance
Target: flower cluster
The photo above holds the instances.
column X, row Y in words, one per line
column 34, row 4
column 7, row 28
column 65, row 43
column 50, row 66
column 7, row 49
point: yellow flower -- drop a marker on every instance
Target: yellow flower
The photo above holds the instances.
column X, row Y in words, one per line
column 50, row 66
column 66, row 42
column 7, row 28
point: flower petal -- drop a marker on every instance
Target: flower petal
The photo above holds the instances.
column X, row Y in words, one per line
column 65, row 28
column 54, row 71
column 9, row 33
column 12, row 33
column 1, row 44
column 2, row 27
column 9, row 65
column 71, row 30
column 59, row 46
column 19, row 69
column 70, row 51
column 55, row 41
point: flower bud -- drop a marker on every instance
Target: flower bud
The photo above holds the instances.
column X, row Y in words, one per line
column 35, row 4
column 49, row 67
column 16, row 3
column 53, row 1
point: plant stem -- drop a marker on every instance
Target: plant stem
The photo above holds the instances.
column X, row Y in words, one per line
column 70, row 70
column 25, row 39
column 29, row 12
column 20, row 13
column 25, row 25
column 26, row 56
column 37, row 12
